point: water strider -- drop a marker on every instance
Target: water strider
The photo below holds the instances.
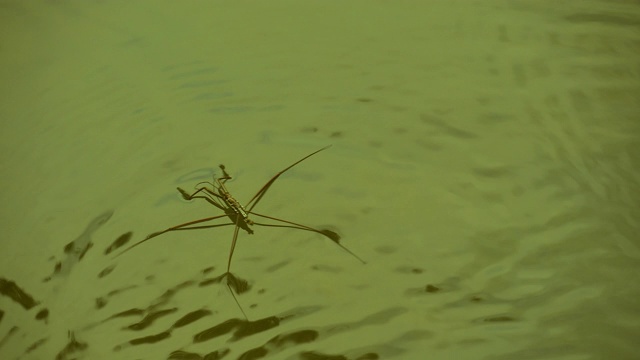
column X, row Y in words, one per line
column 217, row 194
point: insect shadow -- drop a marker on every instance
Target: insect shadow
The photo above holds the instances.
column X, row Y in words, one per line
column 217, row 194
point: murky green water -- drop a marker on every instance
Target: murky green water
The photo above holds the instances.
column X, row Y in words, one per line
column 483, row 163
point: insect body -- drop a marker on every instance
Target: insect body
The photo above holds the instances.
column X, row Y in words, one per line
column 230, row 200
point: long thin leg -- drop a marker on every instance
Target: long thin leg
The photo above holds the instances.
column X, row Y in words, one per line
column 236, row 299
column 258, row 196
column 181, row 226
column 328, row 233
column 230, row 277
column 211, row 199
column 233, row 282
column 201, row 227
column 178, row 227
column 233, row 242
